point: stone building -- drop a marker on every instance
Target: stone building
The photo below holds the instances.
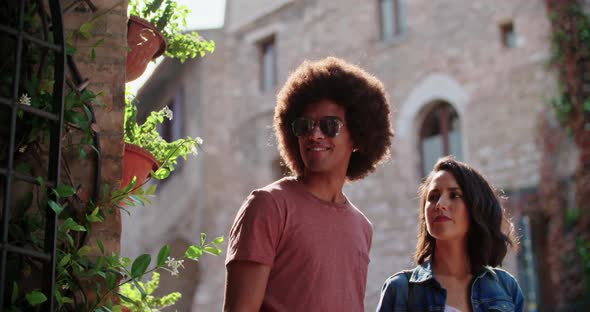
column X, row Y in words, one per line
column 465, row 77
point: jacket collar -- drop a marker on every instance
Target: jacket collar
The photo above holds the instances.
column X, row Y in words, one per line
column 424, row 272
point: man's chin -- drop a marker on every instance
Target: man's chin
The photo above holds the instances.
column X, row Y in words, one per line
column 318, row 168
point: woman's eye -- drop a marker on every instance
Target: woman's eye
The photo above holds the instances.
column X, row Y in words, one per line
column 455, row 195
column 432, row 197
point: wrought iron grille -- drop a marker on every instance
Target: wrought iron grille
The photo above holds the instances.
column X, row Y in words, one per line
column 14, row 36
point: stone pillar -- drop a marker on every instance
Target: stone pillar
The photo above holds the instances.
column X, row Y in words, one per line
column 106, row 75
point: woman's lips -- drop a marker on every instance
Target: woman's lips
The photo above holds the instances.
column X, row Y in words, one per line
column 442, row 219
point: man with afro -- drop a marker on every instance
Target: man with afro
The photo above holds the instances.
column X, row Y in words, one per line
column 299, row 244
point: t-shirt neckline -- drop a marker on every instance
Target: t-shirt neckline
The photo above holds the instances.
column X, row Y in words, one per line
column 340, row 207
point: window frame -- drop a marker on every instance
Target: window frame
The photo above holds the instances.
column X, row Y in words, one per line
column 398, row 27
column 262, row 48
column 444, row 119
column 508, row 36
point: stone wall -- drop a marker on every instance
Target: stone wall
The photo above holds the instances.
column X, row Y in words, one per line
column 450, row 51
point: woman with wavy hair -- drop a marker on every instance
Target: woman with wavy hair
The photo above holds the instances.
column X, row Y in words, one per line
column 463, row 237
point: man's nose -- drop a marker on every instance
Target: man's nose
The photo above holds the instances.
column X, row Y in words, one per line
column 316, row 132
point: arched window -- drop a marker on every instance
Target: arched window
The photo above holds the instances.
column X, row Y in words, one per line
column 440, row 135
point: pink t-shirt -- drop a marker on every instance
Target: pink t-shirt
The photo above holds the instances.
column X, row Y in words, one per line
column 318, row 251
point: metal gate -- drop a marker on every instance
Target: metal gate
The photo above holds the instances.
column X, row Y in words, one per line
column 53, row 43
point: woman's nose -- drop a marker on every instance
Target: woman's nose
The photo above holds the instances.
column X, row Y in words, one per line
column 442, row 203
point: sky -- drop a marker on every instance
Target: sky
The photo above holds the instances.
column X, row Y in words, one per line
column 205, row 14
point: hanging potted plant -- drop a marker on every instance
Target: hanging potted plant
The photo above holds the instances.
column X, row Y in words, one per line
column 146, row 152
column 145, row 44
column 154, row 28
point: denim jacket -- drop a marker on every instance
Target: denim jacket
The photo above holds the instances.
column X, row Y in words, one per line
column 492, row 289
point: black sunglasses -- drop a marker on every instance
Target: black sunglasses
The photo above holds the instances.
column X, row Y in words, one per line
column 329, row 125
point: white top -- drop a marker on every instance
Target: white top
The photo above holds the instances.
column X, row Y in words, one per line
column 449, row 308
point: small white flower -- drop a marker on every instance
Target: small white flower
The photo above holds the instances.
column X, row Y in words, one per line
column 25, row 99
column 22, row 149
column 174, row 265
column 170, row 261
column 168, row 113
column 65, row 286
column 199, row 141
column 194, row 150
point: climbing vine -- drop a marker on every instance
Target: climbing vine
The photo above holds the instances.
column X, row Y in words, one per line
column 570, row 56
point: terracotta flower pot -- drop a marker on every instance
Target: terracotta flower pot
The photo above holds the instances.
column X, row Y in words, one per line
column 137, row 162
column 145, row 43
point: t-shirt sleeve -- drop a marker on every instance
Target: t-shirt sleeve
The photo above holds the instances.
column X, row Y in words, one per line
column 256, row 230
column 370, row 236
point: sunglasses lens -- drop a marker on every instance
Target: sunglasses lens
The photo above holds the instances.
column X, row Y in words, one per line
column 302, row 126
column 330, row 126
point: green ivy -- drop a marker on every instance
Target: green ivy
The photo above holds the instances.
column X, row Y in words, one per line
column 576, row 44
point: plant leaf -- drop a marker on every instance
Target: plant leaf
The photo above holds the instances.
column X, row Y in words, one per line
column 14, row 292
column 99, row 42
column 71, row 50
column 65, row 260
column 86, row 29
column 70, row 224
column 64, row 190
column 151, row 190
column 140, row 288
column 212, row 250
column 56, row 207
column 84, row 251
column 35, row 297
column 163, row 254
column 111, row 280
column 125, row 298
column 194, row 252
column 93, row 219
column 218, row 240
column 100, row 246
column 140, row 265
